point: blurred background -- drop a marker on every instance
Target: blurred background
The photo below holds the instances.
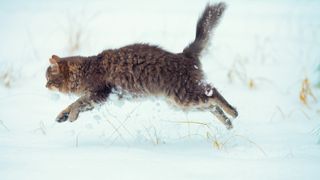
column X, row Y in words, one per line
column 264, row 58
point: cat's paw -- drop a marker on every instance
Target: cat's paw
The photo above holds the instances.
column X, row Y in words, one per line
column 63, row 116
column 73, row 115
column 228, row 124
column 70, row 114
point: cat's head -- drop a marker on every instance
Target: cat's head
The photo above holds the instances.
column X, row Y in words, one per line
column 56, row 78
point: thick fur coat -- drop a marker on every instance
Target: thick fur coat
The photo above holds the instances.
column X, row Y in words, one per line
column 142, row 70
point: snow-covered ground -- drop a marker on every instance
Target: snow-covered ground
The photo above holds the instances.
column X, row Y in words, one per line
column 259, row 56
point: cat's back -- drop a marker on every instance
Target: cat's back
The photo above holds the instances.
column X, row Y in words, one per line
column 143, row 67
column 145, row 55
column 135, row 54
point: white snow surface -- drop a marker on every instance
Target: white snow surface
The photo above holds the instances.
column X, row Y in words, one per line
column 259, row 55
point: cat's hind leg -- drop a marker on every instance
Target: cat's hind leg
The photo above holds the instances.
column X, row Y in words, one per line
column 218, row 105
column 204, row 97
column 217, row 100
column 217, row 111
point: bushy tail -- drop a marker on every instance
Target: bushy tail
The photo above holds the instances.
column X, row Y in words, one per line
column 208, row 20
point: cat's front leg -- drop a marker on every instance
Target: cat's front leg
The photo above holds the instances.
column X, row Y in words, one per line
column 84, row 103
column 70, row 113
column 64, row 115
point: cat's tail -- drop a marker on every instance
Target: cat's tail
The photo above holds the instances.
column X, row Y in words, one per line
column 206, row 23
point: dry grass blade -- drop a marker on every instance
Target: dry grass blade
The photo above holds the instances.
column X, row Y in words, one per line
column 6, row 78
column 117, row 131
column 77, row 140
column 306, row 92
column 255, row 144
column 122, row 124
column 125, row 120
column 238, row 71
column 77, row 31
column 251, row 84
column 2, row 123
column 190, row 122
column 153, row 138
column 278, row 109
column 42, row 128
column 188, row 136
column 248, row 140
column 209, row 136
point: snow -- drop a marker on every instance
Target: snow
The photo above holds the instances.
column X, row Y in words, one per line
column 259, row 56
column 209, row 92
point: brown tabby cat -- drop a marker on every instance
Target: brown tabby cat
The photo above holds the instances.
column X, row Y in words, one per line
column 142, row 70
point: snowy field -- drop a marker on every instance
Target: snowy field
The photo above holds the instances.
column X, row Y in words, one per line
column 264, row 58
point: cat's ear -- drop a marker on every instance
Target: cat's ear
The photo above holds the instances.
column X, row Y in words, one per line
column 54, row 64
column 54, row 59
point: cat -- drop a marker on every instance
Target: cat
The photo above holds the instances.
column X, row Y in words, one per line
column 142, row 70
